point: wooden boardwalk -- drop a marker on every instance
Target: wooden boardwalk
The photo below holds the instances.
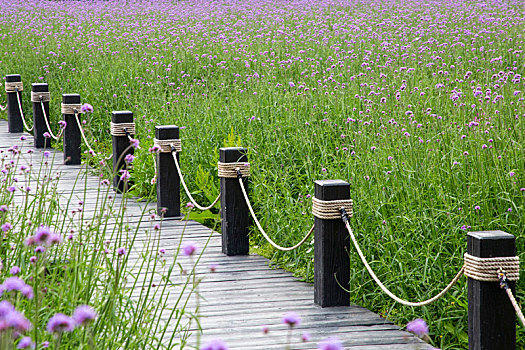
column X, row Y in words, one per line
column 244, row 293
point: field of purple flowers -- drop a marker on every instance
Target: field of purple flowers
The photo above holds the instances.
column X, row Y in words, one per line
column 418, row 104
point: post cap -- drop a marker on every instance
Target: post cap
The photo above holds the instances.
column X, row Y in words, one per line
column 40, row 87
column 13, row 78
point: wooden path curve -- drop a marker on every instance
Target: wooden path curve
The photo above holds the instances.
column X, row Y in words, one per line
column 244, row 293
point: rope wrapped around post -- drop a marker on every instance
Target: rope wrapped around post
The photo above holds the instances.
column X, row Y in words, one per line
column 122, row 129
column 230, row 170
column 70, row 108
column 14, row 86
column 166, row 146
column 331, row 209
column 488, row 269
column 40, row 97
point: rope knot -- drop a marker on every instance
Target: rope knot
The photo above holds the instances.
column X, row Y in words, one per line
column 344, row 214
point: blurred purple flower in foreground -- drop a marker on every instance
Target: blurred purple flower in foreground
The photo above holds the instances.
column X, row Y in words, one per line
column 418, row 327
column 291, row 319
column 216, row 344
column 60, row 323
column 332, row 343
column 84, row 314
column 189, row 249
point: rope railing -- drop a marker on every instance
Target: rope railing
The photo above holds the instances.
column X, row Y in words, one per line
column 46, row 119
column 29, row 129
column 82, row 133
column 261, row 229
column 481, row 269
column 188, row 193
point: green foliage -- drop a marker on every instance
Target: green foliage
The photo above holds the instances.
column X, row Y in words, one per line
column 383, row 96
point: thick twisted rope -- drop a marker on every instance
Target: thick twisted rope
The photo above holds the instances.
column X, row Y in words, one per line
column 192, row 200
column 385, row 289
column 488, row 269
column 40, row 96
column 165, row 146
column 263, row 232
column 14, row 86
column 29, row 129
column 329, row 210
column 229, row 170
column 481, row 269
column 46, row 119
column 122, row 129
column 83, row 134
column 70, row 108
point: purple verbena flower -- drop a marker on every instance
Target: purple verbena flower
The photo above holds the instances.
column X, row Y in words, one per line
column 86, row 107
column 121, row 251
column 216, row 344
column 42, row 234
column 13, row 283
column 15, row 270
column 27, row 291
column 84, row 314
column 5, row 308
column 291, row 319
column 25, row 343
column 418, row 327
column 125, row 175
column 60, row 323
column 189, row 249
column 129, row 158
column 17, row 321
column 305, row 337
column 331, row 343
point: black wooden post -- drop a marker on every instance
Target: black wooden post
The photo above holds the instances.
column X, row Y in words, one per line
column 235, row 215
column 331, row 244
column 168, row 182
column 14, row 118
column 491, row 317
column 72, row 138
column 40, row 126
column 121, row 147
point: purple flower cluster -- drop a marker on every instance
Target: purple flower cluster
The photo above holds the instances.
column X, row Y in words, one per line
column 10, row 318
column 12, row 284
column 44, row 236
column 82, row 316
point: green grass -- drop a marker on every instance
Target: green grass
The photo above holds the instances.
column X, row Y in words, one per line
column 412, row 212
